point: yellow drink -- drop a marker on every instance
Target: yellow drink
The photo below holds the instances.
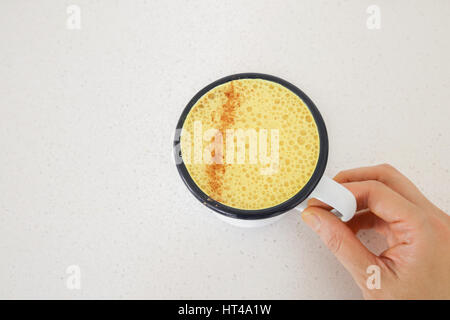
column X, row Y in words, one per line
column 252, row 104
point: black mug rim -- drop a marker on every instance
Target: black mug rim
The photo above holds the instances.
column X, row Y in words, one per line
column 266, row 212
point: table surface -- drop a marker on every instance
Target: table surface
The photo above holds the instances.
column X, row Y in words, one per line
column 87, row 118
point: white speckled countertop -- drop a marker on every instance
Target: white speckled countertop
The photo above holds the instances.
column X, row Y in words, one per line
column 87, row 118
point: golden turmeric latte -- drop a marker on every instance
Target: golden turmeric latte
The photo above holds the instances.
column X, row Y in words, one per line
column 259, row 144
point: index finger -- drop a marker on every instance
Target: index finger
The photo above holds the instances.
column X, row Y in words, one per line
column 382, row 201
column 386, row 174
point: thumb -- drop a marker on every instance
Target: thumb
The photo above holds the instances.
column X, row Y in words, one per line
column 344, row 244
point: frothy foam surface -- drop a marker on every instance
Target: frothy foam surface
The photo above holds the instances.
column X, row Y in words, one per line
column 257, row 104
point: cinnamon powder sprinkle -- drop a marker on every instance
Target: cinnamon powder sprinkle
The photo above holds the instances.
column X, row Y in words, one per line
column 216, row 170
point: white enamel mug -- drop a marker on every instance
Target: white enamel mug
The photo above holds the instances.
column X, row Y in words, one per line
column 319, row 186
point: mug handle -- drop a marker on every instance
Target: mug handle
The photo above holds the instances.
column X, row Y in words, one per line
column 336, row 196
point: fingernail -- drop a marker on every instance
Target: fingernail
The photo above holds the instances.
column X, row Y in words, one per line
column 311, row 219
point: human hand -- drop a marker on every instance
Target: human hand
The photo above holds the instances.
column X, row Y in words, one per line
column 417, row 263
